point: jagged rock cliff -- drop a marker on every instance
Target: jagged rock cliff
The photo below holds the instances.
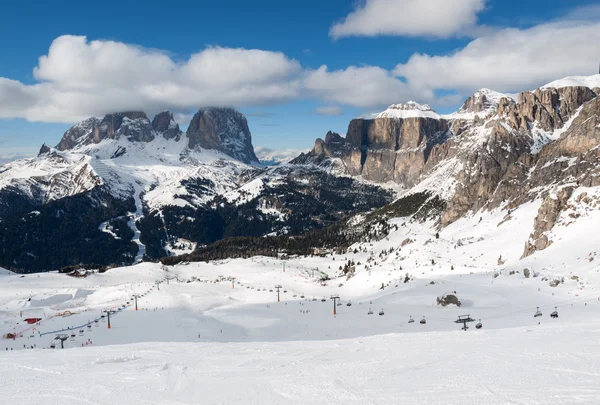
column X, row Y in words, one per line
column 222, row 129
column 496, row 151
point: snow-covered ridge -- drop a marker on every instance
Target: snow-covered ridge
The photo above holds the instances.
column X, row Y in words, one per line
column 411, row 109
column 575, row 81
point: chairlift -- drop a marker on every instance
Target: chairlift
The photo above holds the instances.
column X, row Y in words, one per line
column 479, row 325
column 411, row 320
column 285, row 291
column 554, row 314
column 381, row 313
column 323, row 300
column 339, row 304
column 348, row 304
column 537, row 313
column 72, row 337
column 89, row 327
column 423, row 321
column 52, row 345
column 370, row 312
column 295, row 295
column 80, row 332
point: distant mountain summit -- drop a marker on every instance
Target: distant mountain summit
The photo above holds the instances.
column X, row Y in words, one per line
column 221, row 129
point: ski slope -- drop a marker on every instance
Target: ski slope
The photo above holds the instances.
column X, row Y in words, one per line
column 215, row 332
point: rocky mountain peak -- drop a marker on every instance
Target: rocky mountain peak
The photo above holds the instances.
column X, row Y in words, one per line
column 133, row 125
column 410, row 109
column 222, row 129
column 483, row 101
column 165, row 124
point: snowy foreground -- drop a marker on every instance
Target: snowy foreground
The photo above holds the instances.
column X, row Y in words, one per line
column 214, row 333
column 555, row 364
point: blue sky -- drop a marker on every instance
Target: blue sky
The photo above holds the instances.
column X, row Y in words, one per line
column 369, row 59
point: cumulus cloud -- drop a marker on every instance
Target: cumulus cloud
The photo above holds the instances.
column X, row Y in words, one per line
column 333, row 110
column 510, row 59
column 429, row 18
column 79, row 78
column 364, row 87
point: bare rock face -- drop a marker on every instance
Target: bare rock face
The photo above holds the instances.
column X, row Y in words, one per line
column 548, row 213
column 333, row 146
column 135, row 126
column 165, row 124
column 222, row 129
column 448, row 299
column 494, row 152
column 84, row 132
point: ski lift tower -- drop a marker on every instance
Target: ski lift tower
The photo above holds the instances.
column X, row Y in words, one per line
column 464, row 319
column 278, row 287
column 62, row 338
column 108, row 316
column 335, row 298
column 233, row 282
column 135, row 297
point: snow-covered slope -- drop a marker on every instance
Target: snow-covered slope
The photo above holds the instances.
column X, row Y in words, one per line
column 592, row 82
column 411, row 109
column 242, row 346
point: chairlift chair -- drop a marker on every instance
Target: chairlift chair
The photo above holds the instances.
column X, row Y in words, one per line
column 537, row 313
column 80, row 332
column 348, row 304
column 554, row 314
column 370, row 312
column 339, row 304
column 381, row 313
column 323, row 300
column 302, row 296
column 423, row 321
column 479, row 325
column 411, row 320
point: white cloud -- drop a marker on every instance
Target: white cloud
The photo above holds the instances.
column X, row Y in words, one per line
column 329, row 110
column 80, row 78
column 429, row 18
column 510, row 60
column 364, row 87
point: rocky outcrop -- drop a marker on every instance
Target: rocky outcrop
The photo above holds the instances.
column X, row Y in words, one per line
column 548, row 213
column 333, row 146
column 135, row 126
column 495, row 151
column 448, row 299
column 222, row 129
column 392, row 146
column 82, row 133
column 164, row 124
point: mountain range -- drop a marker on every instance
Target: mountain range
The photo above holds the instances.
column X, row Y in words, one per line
column 124, row 188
